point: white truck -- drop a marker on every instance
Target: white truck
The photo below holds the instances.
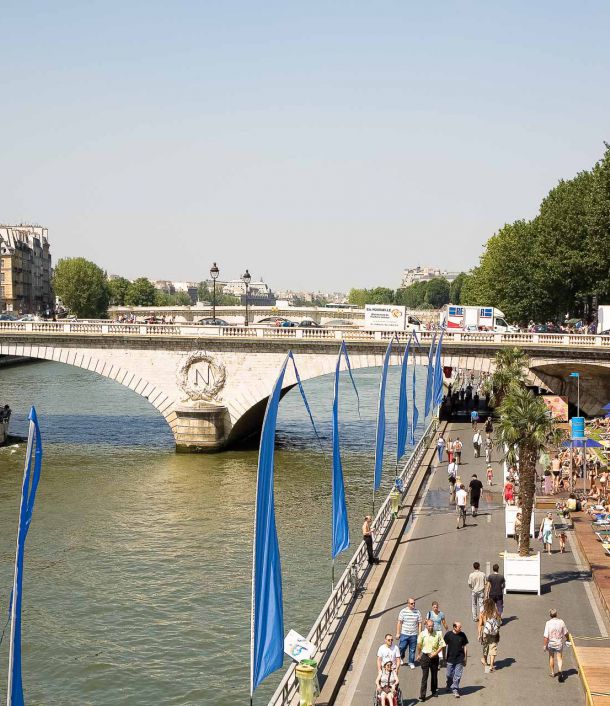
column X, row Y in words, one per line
column 389, row 317
column 603, row 318
column 474, row 318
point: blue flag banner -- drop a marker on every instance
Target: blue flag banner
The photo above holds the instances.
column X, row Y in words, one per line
column 340, row 528
column 380, row 438
column 430, row 378
column 438, row 372
column 415, row 413
column 403, row 407
column 31, row 476
column 267, row 625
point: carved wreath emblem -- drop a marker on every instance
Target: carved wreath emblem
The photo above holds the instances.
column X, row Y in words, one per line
column 201, row 377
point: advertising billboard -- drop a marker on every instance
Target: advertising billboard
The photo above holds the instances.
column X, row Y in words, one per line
column 384, row 317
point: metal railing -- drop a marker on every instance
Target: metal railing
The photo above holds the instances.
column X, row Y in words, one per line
column 345, row 590
column 467, row 338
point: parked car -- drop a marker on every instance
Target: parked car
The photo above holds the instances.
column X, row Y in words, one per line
column 339, row 323
column 272, row 321
column 29, row 317
column 7, row 317
column 209, row 321
column 309, row 323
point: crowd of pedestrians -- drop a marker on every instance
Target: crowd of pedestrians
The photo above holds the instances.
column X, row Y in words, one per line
column 432, row 642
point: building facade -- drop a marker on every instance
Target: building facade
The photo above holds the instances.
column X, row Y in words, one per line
column 25, row 270
column 425, row 274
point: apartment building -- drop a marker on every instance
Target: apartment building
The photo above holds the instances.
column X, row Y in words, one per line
column 25, row 269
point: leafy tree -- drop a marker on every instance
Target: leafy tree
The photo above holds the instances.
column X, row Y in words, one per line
column 597, row 245
column 141, row 292
column 181, row 299
column 437, row 292
column 380, row 295
column 511, row 366
column 82, row 287
column 413, row 296
column 524, row 428
column 455, row 290
column 358, row 297
column 118, row 289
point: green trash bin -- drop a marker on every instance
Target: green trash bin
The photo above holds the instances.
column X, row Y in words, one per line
column 307, row 674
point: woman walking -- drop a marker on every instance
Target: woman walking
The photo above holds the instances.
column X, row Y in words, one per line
column 489, row 634
column 546, row 533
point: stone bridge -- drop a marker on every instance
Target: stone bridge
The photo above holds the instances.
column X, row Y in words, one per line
column 211, row 384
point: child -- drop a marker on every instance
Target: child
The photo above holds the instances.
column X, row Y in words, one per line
column 561, row 535
column 490, row 475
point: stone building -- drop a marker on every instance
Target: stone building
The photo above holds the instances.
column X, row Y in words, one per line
column 25, row 270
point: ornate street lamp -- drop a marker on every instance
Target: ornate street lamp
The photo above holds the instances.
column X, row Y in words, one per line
column 214, row 272
column 246, row 278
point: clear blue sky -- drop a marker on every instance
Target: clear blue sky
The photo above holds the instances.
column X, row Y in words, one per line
column 321, row 145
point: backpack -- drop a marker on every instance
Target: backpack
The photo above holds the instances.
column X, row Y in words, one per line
column 491, row 627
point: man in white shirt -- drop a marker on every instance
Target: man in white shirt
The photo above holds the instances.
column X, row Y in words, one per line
column 477, row 441
column 555, row 633
column 461, row 496
column 388, row 652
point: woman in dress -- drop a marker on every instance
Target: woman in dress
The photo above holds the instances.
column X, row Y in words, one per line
column 546, row 532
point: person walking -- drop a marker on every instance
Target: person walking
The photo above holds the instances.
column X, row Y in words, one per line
column 546, row 533
column 489, row 634
column 476, row 583
column 488, row 447
column 457, row 655
column 388, row 652
column 429, row 644
column 436, row 615
column 555, row 634
column 461, row 496
column 477, row 442
column 408, row 628
column 440, row 447
column 452, row 472
column 490, row 475
column 457, row 450
column 449, row 447
column 367, row 536
column 475, row 487
column 494, row 588
column 474, row 419
column 489, row 426
column 517, row 530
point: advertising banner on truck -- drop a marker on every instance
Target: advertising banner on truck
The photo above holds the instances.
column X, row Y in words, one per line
column 384, row 317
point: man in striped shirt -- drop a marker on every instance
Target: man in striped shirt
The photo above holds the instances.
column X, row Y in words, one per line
column 408, row 628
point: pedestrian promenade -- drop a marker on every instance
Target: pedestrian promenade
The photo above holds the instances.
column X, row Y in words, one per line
column 433, row 563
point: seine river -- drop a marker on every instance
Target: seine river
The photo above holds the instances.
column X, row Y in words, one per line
column 137, row 579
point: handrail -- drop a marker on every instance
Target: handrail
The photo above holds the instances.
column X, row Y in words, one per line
column 466, row 338
column 345, row 591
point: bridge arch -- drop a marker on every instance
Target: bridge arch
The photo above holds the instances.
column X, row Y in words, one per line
column 93, row 362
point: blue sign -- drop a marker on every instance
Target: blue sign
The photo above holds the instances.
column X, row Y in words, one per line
column 578, row 427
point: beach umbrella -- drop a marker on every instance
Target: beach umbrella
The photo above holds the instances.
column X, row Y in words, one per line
column 606, row 406
column 580, row 443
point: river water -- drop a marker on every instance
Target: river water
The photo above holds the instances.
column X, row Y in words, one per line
column 138, row 561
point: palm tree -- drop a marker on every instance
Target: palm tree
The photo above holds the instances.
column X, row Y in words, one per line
column 524, row 429
column 511, row 366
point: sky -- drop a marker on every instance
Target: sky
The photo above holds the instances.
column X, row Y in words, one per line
column 323, row 146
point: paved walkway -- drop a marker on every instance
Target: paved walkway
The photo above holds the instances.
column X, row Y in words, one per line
column 433, row 563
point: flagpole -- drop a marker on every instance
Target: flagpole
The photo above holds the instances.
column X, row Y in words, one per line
column 9, row 689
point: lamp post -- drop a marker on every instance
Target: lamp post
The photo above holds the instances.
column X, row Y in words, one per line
column 246, row 278
column 584, row 450
column 214, row 272
column 577, row 376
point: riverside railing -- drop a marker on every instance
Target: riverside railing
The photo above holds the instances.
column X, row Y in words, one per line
column 467, row 338
column 346, row 589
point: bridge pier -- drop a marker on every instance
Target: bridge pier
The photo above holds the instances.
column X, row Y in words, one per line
column 201, row 428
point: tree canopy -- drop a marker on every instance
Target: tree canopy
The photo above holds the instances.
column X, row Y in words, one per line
column 82, row 287
column 118, row 287
column 550, row 266
column 141, row 292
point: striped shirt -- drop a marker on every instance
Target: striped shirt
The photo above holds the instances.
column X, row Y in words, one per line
column 410, row 621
